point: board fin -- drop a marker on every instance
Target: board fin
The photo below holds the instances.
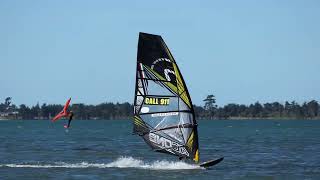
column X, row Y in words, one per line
column 210, row 163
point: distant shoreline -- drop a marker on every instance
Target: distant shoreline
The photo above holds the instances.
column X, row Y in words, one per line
column 109, row 110
column 272, row 118
column 199, row 119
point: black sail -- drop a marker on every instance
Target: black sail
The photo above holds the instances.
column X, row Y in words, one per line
column 163, row 111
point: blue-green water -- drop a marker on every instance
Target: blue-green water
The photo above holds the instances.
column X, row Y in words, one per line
column 261, row 149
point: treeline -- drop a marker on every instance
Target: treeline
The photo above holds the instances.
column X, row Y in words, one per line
column 275, row 110
column 81, row 111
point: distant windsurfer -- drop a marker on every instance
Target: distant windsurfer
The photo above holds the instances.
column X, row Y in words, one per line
column 65, row 113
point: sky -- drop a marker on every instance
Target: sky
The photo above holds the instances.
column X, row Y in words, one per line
column 240, row 51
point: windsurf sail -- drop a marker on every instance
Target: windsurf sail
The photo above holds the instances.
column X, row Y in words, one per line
column 163, row 111
column 64, row 112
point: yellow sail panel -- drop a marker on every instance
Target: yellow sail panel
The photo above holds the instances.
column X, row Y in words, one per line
column 185, row 98
column 181, row 89
column 137, row 121
column 196, row 156
column 191, row 146
column 190, row 141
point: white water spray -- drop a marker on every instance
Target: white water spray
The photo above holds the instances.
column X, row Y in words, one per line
column 122, row 162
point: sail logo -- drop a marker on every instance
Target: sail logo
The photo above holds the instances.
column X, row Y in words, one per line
column 160, row 60
column 163, row 142
column 167, row 144
column 156, row 101
column 165, row 71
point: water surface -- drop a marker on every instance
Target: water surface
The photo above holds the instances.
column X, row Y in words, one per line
column 253, row 149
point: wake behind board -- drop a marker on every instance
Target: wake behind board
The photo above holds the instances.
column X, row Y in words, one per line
column 210, row 163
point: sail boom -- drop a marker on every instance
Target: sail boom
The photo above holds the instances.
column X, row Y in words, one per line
column 174, row 127
column 185, row 111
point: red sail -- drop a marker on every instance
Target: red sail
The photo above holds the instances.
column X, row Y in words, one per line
column 64, row 112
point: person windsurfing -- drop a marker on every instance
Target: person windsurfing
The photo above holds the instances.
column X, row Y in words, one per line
column 64, row 113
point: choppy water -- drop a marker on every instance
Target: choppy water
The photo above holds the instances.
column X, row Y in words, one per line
column 261, row 149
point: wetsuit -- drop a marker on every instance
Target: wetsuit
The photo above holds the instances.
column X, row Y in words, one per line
column 70, row 119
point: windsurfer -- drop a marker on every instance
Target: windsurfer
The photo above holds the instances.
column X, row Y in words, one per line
column 65, row 113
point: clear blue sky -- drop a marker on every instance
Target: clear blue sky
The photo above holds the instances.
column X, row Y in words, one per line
column 241, row 51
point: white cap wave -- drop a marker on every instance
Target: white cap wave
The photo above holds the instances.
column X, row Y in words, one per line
column 122, row 162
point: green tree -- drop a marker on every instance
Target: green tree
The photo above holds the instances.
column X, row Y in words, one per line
column 210, row 105
column 312, row 109
column 24, row 112
column 8, row 101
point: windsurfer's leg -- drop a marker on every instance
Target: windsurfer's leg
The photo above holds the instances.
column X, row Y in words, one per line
column 70, row 119
column 69, row 123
